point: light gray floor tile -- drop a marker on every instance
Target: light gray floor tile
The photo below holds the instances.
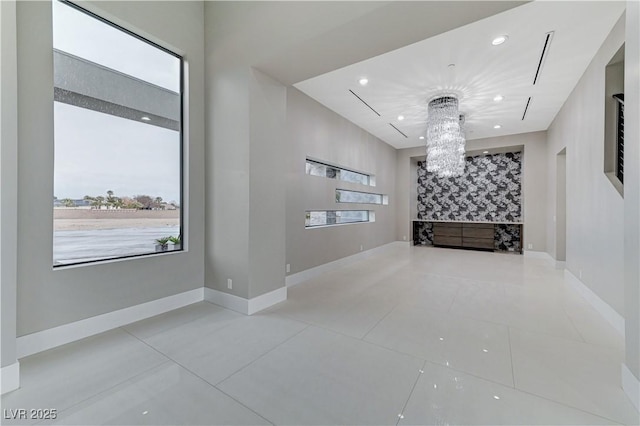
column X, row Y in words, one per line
column 402, row 300
column 217, row 355
column 167, row 395
column 577, row 374
column 473, row 346
column 64, row 376
column 516, row 307
column 161, row 323
column 323, row 378
column 445, row 397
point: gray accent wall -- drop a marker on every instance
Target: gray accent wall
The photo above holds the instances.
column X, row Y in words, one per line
column 594, row 208
column 533, row 180
column 315, row 132
column 48, row 298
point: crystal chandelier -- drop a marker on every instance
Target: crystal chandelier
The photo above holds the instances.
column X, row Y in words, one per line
column 445, row 137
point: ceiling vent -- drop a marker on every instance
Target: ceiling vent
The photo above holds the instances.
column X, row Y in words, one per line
column 398, row 130
column 360, row 99
column 526, row 108
column 543, row 55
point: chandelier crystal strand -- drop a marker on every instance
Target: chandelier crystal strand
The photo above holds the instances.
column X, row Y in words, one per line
column 445, row 138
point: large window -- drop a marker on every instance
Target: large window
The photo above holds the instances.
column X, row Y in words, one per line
column 118, row 141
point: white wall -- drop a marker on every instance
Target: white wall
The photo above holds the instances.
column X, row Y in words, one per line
column 595, row 209
column 245, row 209
column 47, row 297
column 8, row 180
column 316, row 132
column 632, row 190
column 533, row 184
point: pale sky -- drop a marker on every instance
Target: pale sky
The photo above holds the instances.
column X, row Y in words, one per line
column 96, row 152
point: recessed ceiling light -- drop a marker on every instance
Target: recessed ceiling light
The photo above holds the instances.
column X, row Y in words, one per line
column 401, row 117
column 497, row 126
column 145, row 118
column 498, row 98
column 499, row 40
column 421, row 137
column 496, row 397
column 363, row 81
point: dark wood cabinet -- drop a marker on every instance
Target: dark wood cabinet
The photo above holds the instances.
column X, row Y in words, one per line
column 471, row 235
column 447, row 234
column 478, row 235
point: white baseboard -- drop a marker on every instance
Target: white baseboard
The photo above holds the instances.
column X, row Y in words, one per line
column 267, row 300
column 57, row 336
column 307, row 274
column 631, row 386
column 538, row 255
column 603, row 308
column 10, row 378
column 242, row 305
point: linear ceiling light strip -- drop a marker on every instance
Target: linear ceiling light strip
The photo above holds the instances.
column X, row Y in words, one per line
column 526, row 108
column 398, row 130
column 543, row 55
column 361, row 100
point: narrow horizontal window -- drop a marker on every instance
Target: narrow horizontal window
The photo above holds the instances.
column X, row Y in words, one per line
column 337, row 217
column 358, row 197
column 316, row 168
column 117, row 139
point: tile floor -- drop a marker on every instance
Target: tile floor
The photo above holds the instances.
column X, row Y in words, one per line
column 410, row 336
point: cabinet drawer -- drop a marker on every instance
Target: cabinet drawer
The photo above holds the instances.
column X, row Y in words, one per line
column 478, row 232
column 443, row 240
column 445, row 229
column 478, row 225
column 483, row 243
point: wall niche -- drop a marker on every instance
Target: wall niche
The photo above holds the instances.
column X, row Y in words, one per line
column 613, row 121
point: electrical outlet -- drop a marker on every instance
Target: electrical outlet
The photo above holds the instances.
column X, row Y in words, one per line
column 530, row 246
column 361, row 247
column 288, row 267
column 404, row 238
column 229, row 283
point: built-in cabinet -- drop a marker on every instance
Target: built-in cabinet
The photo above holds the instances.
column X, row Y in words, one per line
column 470, row 235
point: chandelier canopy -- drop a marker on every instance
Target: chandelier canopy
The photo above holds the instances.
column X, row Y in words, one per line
column 445, row 137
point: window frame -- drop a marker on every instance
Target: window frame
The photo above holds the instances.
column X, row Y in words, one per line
column 371, row 181
column 370, row 218
column 181, row 159
column 384, row 199
column 619, row 160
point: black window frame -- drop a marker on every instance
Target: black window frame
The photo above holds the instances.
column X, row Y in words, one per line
column 181, row 142
column 619, row 97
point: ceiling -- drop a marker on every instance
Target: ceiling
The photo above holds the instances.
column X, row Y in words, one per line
column 463, row 61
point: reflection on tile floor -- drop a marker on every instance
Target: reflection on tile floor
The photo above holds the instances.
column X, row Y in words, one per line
column 408, row 336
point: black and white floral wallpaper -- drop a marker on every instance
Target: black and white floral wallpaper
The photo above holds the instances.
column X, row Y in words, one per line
column 507, row 237
column 490, row 190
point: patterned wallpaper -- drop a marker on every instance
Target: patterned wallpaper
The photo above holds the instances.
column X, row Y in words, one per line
column 490, row 190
